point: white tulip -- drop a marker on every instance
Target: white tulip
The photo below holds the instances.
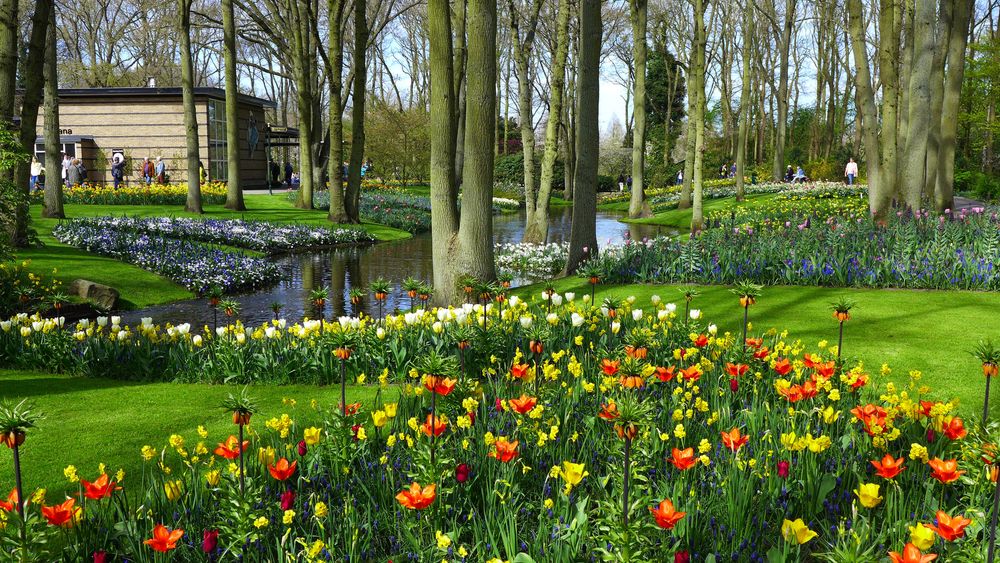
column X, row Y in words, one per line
column 37, row 326
column 411, row 318
column 269, row 331
column 557, row 299
column 570, row 296
column 437, row 327
column 147, row 322
column 552, row 318
column 25, row 331
column 712, row 329
column 84, row 323
column 61, row 321
column 102, row 321
column 122, row 335
column 79, row 335
column 468, row 307
column 695, row 314
column 525, row 322
column 380, row 333
column 615, row 327
column 605, row 311
column 196, row 340
column 671, row 307
column 116, row 321
column 662, row 315
column 220, row 331
column 577, row 319
column 281, row 323
column 241, row 337
column 630, row 299
column 171, row 331
column 183, row 329
column 514, row 300
column 442, row 314
column 655, row 299
column 5, row 325
column 586, row 299
column 345, row 322
column 636, row 314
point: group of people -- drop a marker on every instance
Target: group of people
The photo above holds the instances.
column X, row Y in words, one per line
column 73, row 170
column 147, row 170
column 727, row 171
column 624, row 182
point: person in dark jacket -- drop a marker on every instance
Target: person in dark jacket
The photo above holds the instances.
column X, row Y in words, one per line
column 288, row 174
column 74, row 174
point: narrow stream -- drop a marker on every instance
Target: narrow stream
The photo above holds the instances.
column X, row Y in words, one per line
column 344, row 268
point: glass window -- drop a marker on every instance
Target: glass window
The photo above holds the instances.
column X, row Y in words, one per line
column 218, row 166
column 67, row 148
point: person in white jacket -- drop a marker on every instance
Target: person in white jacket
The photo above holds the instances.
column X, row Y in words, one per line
column 36, row 171
column 851, row 171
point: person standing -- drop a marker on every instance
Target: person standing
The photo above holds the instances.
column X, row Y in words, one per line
column 66, row 163
column 628, row 182
column 117, row 170
column 288, row 174
column 732, row 170
column 680, row 177
column 851, row 171
column 147, row 170
column 74, row 175
column 161, row 171
column 36, row 171
column 621, row 182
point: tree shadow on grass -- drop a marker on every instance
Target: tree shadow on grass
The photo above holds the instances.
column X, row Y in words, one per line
column 22, row 385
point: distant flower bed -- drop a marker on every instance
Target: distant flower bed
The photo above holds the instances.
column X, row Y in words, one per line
column 261, row 236
column 194, row 265
column 927, row 252
column 662, row 199
column 533, row 262
column 798, row 208
column 138, row 193
column 21, row 290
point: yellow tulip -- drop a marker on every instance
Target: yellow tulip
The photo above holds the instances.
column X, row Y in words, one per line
column 796, row 531
column 868, row 495
column 922, row 537
column 173, row 489
column 311, row 436
column 212, row 477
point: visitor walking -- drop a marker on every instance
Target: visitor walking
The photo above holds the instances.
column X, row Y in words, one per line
column 36, row 171
column 117, row 170
column 147, row 170
column 680, row 177
column 851, row 171
column 288, row 174
column 66, row 163
column 628, row 182
column 621, row 182
column 74, row 174
column 732, row 170
column 161, row 171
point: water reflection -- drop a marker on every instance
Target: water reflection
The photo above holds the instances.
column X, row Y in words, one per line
column 344, row 268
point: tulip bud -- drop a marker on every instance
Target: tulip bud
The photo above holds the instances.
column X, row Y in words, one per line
column 462, row 473
column 302, row 448
column 734, row 385
column 287, row 500
column 210, row 541
column 783, row 467
column 682, row 557
column 100, row 556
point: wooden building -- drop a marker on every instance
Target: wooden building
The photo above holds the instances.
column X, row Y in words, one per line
column 96, row 123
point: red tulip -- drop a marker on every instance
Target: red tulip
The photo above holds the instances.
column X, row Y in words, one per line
column 282, row 470
column 682, row 557
column 734, row 385
column 462, row 473
column 889, row 467
column 665, row 515
column 100, row 556
column 100, row 488
column 164, row 539
column 210, row 541
column 231, row 448
column 303, row 448
column 287, row 500
column 783, row 467
column 955, row 429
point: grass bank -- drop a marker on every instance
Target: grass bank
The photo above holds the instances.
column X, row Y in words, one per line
column 138, row 287
column 930, row 331
column 681, row 218
column 92, row 421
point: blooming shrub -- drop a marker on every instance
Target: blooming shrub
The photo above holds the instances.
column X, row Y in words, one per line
column 521, row 445
column 21, row 290
column 925, row 252
column 526, row 261
column 139, row 194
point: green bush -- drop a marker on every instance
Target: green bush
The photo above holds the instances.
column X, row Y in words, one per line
column 509, row 169
column 977, row 184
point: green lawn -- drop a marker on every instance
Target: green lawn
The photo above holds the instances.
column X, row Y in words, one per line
column 930, row 331
column 681, row 218
column 138, row 287
column 92, row 421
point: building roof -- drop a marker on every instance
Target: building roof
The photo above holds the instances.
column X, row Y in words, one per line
column 216, row 93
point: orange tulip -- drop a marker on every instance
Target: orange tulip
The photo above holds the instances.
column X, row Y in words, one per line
column 889, row 467
column 782, row 366
column 11, row 502
column 761, row 353
column 504, row 450
column 609, row 367
column 945, row 471
column 701, row 341
column 733, row 440
column 665, row 374
column 870, row 415
column 754, row 342
column 440, row 385
column 434, row 425
column 231, row 448
column 955, row 429
column 826, row 369
column 519, row 371
column 810, row 361
column 164, row 539
column 62, row 515
column 691, row 373
column 950, row 528
column 666, row 516
column 911, row 554
column 523, row 404
column 637, row 352
column 100, row 488
column 609, row 411
column 352, row 409
column 683, row 459
column 417, row 498
column 736, row 370
column 282, row 470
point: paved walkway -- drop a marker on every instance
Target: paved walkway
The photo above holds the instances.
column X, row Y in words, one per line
column 966, row 203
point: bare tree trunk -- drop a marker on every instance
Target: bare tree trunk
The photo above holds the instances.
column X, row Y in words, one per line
column 459, row 15
column 234, row 192
column 537, row 230
column 945, row 190
column 700, row 39
column 744, row 126
column 639, row 12
column 522, row 53
column 568, row 133
column 303, row 54
column 878, row 199
column 780, row 133
column 583, row 231
column 352, row 197
column 690, row 135
column 937, row 77
column 53, row 205
column 8, row 59
column 335, row 163
column 890, row 21
column 919, row 99
column 193, row 204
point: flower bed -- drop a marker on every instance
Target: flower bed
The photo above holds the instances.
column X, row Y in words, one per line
column 261, row 236
column 139, row 193
column 922, row 253
column 533, row 262
column 194, row 265
column 559, row 431
column 21, row 290
column 796, row 206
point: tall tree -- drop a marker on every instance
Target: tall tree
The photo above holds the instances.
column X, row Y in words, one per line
column 945, row 187
column 523, row 34
column 744, row 124
column 867, row 109
column 352, row 197
column 937, row 78
column 700, row 42
column 193, row 204
column 335, row 45
column 583, row 230
column 918, row 122
column 9, row 33
column 53, row 204
column 639, row 16
column 303, row 51
column 536, row 230
column 234, row 192
column 890, row 28
column 785, row 34
column 462, row 244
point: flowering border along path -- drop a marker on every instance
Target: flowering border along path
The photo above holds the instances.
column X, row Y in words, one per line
column 180, row 248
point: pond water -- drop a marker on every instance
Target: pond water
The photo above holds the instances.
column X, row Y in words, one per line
column 341, row 269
